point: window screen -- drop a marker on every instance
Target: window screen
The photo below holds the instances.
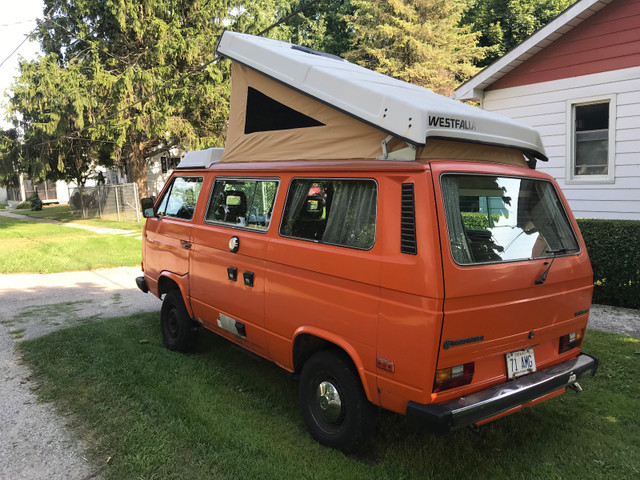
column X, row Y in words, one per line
column 591, row 139
column 180, row 199
column 245, row 203
column 266, row 114
column 339, row 212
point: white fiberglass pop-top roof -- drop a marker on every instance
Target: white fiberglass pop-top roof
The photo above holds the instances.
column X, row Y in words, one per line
column 406, row 111
column 201, row 158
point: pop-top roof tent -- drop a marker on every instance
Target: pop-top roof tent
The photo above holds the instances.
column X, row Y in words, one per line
column 201, row 158
column 293, row 103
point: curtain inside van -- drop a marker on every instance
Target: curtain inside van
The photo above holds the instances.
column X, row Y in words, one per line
column 352, row 215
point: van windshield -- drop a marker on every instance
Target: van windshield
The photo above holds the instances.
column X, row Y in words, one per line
column 496, row 219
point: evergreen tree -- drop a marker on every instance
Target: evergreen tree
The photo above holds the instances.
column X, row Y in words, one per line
column 9, row 158
column 323, row 26
column 419, row 41
column 54, row 102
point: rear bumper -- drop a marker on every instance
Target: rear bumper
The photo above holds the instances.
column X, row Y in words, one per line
column 142, row 284
column 463, row 411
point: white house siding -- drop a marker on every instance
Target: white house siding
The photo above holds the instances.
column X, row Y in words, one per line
column 544, row 107
column 156, row 178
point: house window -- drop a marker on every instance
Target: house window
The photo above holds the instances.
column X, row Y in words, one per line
column 173, row 163
column 592, row 141
column 169, row 164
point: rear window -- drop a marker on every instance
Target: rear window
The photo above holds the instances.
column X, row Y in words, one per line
column 497, row 219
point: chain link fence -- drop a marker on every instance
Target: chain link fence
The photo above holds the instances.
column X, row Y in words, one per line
column 110, row 202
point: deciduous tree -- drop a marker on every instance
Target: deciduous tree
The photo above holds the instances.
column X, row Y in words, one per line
column 503, row 24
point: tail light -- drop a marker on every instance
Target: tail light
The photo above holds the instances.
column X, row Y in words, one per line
column 572, row 340
column 452, row 377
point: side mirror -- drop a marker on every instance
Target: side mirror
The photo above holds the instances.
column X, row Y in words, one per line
column 147, row 207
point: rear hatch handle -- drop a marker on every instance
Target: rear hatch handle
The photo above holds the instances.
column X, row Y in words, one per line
column 555, row 252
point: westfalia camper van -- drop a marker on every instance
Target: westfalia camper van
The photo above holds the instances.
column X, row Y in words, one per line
column 392, row 247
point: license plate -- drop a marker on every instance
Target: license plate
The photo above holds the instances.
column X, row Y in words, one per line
column 520, row 363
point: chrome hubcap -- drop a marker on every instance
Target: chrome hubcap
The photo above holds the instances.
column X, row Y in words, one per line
column 329, row 401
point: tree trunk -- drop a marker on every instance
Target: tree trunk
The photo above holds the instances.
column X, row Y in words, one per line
column 138, row 169
column 82, row 205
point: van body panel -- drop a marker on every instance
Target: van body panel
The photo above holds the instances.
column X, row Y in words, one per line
column 360, row 355
column 408, row 334
column 213, row 292
column 499, row 308
column 164, row 239
column 391, row 312
column 316, row 297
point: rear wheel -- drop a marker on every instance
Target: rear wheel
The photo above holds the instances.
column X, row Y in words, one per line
column 334, row 405
column 178, row 329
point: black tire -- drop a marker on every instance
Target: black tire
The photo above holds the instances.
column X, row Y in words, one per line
column 334, row 405
column 178, row 329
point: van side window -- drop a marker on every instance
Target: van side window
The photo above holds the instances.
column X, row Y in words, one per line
column 338, row 212
column 180, row 199
column 242, row 203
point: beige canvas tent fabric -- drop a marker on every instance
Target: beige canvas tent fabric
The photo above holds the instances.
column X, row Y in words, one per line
column 341, row 136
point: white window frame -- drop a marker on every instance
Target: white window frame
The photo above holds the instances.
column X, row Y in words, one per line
column 570, row 176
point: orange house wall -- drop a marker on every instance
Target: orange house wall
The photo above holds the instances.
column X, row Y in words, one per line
column 608, row 40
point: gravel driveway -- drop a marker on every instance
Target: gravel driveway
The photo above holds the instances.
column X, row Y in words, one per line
column 34, row 441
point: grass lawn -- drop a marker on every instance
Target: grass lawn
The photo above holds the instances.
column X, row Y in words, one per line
column 29, row 247
column 221, row 413
column 62, row 213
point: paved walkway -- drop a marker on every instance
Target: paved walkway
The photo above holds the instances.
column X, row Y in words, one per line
column 34, row 440
column 91, row 228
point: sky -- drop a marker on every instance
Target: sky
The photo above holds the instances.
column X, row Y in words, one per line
column 17, row 19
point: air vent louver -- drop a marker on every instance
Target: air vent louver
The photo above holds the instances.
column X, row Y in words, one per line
column 408, row 242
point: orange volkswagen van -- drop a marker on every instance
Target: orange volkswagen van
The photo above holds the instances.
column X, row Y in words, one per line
column 423, row 265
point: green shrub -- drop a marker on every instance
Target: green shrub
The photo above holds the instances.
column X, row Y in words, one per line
column 614, row 249
column 35, row 202
column 76, row 201
column 478, row 220
column 3, row 206
column 23, row 206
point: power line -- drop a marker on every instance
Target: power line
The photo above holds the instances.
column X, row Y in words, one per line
column 18, row 23
column 16, row 49
column 46, row 17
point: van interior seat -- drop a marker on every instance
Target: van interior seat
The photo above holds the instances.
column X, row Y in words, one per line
column 310, row 222
column 237, row 209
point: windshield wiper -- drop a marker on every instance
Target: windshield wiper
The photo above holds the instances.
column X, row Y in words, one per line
column 554, row 252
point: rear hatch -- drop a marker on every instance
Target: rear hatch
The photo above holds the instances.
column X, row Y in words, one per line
column 516, row 273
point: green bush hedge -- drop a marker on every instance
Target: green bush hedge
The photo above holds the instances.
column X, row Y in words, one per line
column 614, row 249
column 36, row 203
